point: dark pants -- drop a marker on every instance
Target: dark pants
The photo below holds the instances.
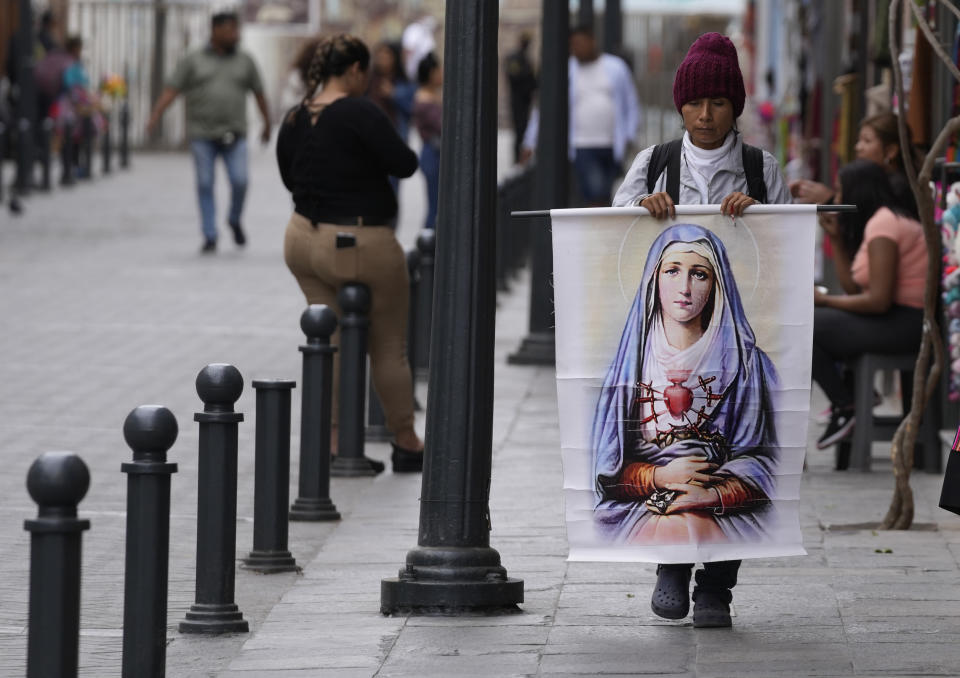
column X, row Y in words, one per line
column 718, row 577
column 520, row 111
column 841, row 335
column 596, row 170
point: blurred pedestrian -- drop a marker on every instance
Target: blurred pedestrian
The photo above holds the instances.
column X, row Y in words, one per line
column 604, row 116
column 47, row 32
column 336, row 151
column 214, row 81
column 428, row 118
column 77, row 104
column 418, row 41
column 709, row 165
column 523, row 83
column 390, row 88
column 879, row 142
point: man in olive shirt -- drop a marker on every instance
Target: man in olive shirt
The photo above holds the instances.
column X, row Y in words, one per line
column 215, row 81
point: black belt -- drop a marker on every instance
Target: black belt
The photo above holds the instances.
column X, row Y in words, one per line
column 342, row 221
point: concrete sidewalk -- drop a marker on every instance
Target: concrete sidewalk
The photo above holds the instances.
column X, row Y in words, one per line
column 107, row 306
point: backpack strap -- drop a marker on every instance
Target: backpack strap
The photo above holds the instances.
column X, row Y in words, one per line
column 753, row 168
column 666, row 157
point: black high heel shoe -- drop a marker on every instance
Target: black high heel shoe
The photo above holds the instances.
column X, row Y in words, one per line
column 406, row 461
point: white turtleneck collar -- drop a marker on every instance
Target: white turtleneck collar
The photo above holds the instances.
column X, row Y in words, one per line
column 704, row 163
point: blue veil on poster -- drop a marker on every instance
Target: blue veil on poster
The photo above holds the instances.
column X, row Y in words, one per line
column 683, row 378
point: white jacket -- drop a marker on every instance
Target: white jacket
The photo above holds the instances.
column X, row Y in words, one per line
column 729, row 177
column 626, row 106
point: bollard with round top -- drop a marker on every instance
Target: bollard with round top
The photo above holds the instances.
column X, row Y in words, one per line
column 427, row 245
column 56, row 481
column 46, row 135
column 318, row 322
column 219, row 386
column 150, row 431
column 354, row 300
column 271, row 479
column 106, row 144
column 125, row 134
column 3, row 154
column 25, row 151
column 85, row 156
column 67, row 155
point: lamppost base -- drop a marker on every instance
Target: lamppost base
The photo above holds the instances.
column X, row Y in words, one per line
column 400, row 596
column 270, row 562
column 213, row 619
column 538, row 348
column 347, row 467
column 313, row 510
column 451, row 580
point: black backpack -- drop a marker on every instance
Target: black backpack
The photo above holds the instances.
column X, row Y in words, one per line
column 667, row 156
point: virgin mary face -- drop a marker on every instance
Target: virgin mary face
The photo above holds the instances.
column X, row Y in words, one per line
column 685, row 281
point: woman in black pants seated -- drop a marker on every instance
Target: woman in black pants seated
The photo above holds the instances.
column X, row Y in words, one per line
column 881, row 262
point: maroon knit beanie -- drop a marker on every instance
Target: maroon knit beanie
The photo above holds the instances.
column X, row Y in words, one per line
column 710, row 69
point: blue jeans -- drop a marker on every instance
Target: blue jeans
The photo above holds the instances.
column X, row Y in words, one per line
column 205, row 152
column 430, row 164
column 596, row 170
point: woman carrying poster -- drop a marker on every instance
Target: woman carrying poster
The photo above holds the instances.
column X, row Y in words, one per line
column 707, row 474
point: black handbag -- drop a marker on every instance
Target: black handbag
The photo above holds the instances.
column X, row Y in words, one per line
column 950, row 494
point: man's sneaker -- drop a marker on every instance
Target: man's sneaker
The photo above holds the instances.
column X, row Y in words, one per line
column 209, row 247
column 238, row 235
column 840, row 427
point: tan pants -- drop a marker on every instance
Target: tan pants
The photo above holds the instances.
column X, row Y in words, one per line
column 378, row 262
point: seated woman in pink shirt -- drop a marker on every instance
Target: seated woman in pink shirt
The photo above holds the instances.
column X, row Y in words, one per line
column 881, row 262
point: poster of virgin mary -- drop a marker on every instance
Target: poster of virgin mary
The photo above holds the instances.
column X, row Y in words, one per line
column 688, row 435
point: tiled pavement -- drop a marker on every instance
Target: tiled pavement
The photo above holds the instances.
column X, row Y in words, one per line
column 106, row 305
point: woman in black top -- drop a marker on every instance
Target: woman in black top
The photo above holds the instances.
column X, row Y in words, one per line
column 336, row 152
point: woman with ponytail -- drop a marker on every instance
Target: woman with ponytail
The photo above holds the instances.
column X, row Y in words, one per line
column 337, row 151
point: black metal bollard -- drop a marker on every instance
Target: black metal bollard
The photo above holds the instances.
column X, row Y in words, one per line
column 25, row 156
column 427, row 245
column 67, row 176
column 46, row 133
column 125, row 134
column 150, row 431
column 219, row 386
column 57, row 481
column 106, row 144
column 354, row 299
column 377, row 430
column 272, row 479
column 3, row 155
column 86, row 147
column 318, row 322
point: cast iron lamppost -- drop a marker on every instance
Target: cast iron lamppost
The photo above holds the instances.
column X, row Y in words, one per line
column 550, row 182
column 612, row 27
column 453, row 569
column 26, row 99
column 585, row 15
